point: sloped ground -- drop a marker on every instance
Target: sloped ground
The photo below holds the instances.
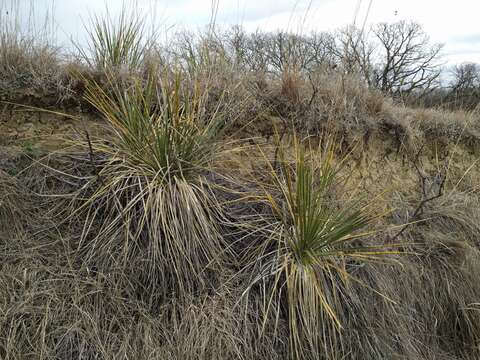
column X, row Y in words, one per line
column 160, row 207
column 420, row 304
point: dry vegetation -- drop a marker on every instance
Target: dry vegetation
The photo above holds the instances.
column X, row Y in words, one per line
column 195, row 202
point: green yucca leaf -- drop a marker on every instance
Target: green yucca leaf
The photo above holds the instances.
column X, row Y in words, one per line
column 311, row 221
column 160, row 126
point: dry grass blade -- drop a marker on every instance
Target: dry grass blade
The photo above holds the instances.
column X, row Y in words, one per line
column 12, row 203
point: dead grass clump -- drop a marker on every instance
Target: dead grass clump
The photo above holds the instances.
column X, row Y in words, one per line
column 29, row 68
column 346, row 100
column 49, row 312
column 435, row 297
column 290, row 88
column 435, row 287
column 29, row 59
column 215, row 327
column 52, row 313
column 445, row 126
column 313, row 105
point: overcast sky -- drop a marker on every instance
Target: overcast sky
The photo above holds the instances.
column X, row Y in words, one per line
column 454, row 23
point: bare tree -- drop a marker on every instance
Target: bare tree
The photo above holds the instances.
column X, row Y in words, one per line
column 252, row 50
column 407, row 61
column 465, row 76
column 301, row 52
column 320, row 45
column 354, row 51
column 276, row 52
column 465, row 86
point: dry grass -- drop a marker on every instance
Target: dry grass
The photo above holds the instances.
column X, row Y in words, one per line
column 29, row 69
column 12, row 203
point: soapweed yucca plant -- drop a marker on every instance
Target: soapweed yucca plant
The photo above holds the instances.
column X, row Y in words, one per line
column 116, row 43
column 152, row 211
column 303, row 266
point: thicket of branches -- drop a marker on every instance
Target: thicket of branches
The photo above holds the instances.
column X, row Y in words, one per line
column 397, row 58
